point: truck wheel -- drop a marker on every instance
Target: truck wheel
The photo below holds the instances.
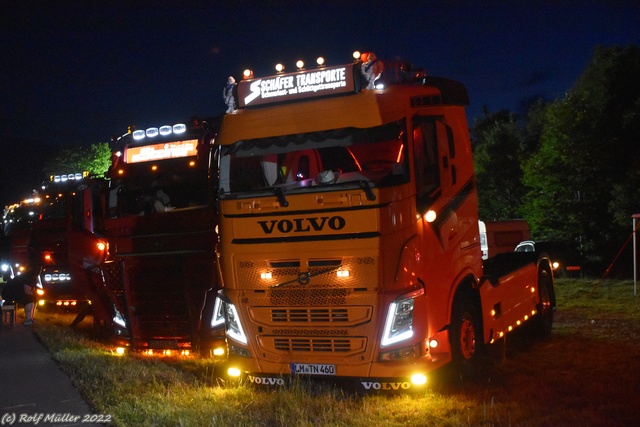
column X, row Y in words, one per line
column 466, row 335
column 544, row 316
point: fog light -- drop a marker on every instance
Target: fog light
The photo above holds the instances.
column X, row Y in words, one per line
column 218, row 351
column 120, row 350
column 400, row 354
column 418, row 379
column 234, row 372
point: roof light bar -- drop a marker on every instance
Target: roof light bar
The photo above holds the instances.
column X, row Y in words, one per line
column 163, row 131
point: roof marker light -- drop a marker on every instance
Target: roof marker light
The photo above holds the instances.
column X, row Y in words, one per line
column 179, row 128
column 151, row 132
column 279, row 68
column 138, row 134
column 247, row 74
column 165, row 130
column 320, row 61
column 356, row 55
column 300, row 64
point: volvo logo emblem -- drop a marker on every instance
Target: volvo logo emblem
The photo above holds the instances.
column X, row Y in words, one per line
column 304, row 278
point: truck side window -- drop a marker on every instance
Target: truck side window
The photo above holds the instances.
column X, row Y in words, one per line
column 427, row 171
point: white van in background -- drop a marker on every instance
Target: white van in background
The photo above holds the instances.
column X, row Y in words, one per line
column 483, row 239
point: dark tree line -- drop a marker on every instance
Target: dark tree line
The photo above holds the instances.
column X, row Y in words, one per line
column 570, row 167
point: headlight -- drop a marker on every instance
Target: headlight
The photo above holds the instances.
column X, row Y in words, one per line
column 234, row 327
column 118, row 318
column 218, row 313
column 399, row 324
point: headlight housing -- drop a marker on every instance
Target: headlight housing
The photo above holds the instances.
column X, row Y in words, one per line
column 234, row 327
column 218, row 313
column 399, row 324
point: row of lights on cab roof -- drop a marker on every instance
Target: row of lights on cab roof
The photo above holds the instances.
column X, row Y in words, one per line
column 68, row 177
column 248, row 74
column 162, row 130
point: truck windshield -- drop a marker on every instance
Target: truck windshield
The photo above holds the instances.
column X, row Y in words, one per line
column 334, row 159
column 143, row 192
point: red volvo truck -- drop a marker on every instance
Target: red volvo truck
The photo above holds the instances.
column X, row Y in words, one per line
column 161, row 269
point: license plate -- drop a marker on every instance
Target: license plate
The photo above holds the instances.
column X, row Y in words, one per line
column 312, row 369
column 163, row 344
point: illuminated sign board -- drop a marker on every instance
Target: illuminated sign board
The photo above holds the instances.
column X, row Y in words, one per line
column 299, row 85
column 162, row 151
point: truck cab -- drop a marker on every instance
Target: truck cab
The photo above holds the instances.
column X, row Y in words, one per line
column 350, row 244
column 161, row 268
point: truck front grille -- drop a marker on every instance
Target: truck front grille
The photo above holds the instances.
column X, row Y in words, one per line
column 309, row 315
column 305, row 345
column 312, row 345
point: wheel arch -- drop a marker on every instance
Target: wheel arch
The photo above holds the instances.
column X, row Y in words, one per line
column 544, row 264
column 467, row 288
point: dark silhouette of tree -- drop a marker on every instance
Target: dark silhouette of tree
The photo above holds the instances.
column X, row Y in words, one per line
column 497, row 146
column 583, row 179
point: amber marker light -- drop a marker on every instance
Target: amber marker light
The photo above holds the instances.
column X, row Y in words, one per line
column 266, row 275
column 247, row 74
column 342, row 273
column 101, row 246
column 430, row 216
column 154, row 168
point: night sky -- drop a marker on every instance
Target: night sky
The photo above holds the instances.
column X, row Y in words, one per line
column 80, row 71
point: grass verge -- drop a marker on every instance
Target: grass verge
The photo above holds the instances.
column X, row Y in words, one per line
column 587, row 373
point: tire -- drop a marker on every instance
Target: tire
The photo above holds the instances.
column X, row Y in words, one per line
column 465, row 334
column 543, row 322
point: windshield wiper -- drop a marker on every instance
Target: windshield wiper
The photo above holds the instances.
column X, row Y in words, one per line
column 280, row 195
column 367, row 190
